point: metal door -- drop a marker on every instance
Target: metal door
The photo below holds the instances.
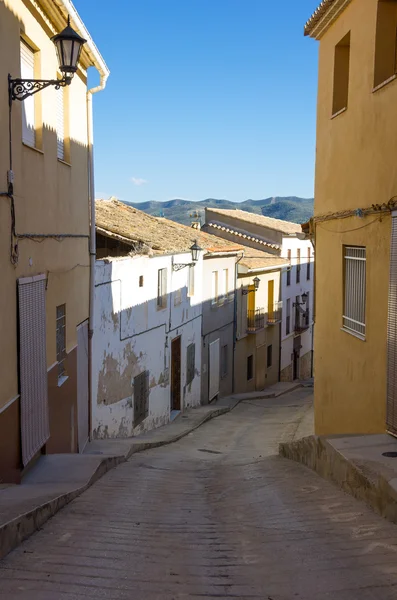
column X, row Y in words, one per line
column 176, row 374
column 35, row 429
column 214, row 369
column 83, row 401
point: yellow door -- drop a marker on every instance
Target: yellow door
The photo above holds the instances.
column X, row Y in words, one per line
column 270, row 299
column 251, row 308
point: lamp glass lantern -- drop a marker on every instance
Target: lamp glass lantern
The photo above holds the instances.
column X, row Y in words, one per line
column 195, row 250
column 68, row 44
column 256, row 283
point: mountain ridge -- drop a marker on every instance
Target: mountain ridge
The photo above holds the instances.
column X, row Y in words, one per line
column 287, row 208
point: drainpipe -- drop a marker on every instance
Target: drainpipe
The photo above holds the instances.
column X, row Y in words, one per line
column 92, row 245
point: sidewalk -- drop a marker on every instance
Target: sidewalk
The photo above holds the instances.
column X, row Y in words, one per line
column 364, row 466
column 59, row 478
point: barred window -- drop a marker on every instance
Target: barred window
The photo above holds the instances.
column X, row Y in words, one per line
column 354, row 289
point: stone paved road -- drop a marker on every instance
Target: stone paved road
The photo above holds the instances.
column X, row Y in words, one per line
column 217, row 515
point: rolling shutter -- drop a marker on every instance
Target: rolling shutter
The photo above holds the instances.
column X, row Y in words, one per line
column 391, row 411
column 28, row 120
column 60, row 124
column 33, row 365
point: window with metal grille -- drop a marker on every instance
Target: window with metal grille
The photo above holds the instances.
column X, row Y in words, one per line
column 354, row 289
column 288, row 317
column 61, row 339
column 250, row 367
column 60, row 123
column 28, row 105
column 224, row 361
column 190, row 363
column 269, row 356
column 308, row 266
column 140, row 280
column 162, row 288
column 289, row 268
column 298, row 265
column 141, row 397
column 307, row 312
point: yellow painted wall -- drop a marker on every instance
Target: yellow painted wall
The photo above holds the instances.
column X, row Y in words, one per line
column 50, row 196
column 356, row 166
column 249, row 343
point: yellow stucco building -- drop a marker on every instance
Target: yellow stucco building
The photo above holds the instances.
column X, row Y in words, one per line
column 45, row 238
column 353, row 229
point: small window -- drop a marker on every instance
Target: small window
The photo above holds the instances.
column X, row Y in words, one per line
column 289, row 268
column 224, row 361
column 214, row 287
column 385, row 41
column 355, row 261
column 190, row 363
column 190, row 290
column 341, row 75
column 308, row 266
column 269, row 356
column 141, row 281
column 61, row 339
column 298, row 265
column 60, row 123
column 28, row 105
column 141, row 397
column 288, row 318
column 162, row 288
column 250, row 367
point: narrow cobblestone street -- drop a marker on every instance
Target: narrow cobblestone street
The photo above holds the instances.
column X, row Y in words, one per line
column 216, row 515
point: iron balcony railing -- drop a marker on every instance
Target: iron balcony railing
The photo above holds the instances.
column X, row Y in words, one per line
column 255, row 320
column 274, row 314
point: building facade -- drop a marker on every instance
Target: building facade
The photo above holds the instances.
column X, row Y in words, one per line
column 160, row 328
column 44, row 302
column 354, row 229
column 284, row 240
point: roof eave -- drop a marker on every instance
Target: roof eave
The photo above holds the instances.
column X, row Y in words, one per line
column 325, row 15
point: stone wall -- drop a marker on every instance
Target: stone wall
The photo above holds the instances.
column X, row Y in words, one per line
column 305, row 366
column 287, row 374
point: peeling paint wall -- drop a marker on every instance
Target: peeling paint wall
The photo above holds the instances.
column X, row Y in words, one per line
column 132, row 334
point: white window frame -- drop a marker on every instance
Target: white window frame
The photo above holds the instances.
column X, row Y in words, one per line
column 161, row 288
column 214, row 288
column 354, row 290
column 60, row 110
column 190, row 284
column 27, row 59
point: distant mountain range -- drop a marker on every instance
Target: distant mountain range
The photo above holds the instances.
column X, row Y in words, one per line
column 291, row 208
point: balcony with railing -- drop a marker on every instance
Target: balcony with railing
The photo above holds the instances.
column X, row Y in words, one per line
column 255, row 320
column 274, row 314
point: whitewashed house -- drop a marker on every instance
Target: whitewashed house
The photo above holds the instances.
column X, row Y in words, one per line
column 285, row 240
column 148, row 319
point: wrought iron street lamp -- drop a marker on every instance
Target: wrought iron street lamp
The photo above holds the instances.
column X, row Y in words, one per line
column 195, row 250
column 304, row 300
column 245, row 291
column 68, row 45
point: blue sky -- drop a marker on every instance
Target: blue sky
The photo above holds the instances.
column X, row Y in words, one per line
column 206, row 98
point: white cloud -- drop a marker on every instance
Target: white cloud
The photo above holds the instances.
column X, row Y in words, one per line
column 138, row 181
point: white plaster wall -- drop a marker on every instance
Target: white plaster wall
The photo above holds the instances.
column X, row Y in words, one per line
column 132, row 335
column 293, row 290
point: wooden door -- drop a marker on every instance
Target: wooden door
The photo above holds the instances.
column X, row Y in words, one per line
column 270, row 299
column 176, row 374
column 83, row 401
column 214, row 369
